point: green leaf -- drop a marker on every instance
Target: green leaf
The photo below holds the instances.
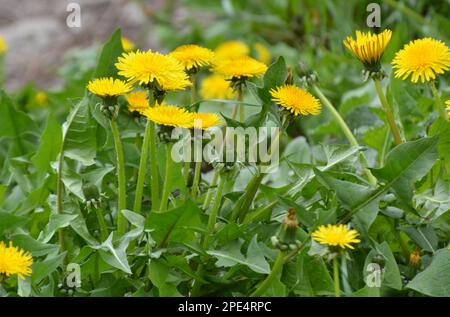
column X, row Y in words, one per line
column 37, row 248
column 73, row 182
column 79, row 226
column 50, row 144
column 108, row 57
column 116, row 257
column 276, row 74
column 407, row 163
column 391, row 273
column 231, row 255
column 9, row 221
column 351, row 196
column 79, row 138
column 43, row 269
column 308, row 276
column 424, row 236
column 434, row 280
column 13, row 123
column 179, row 224
column 55, row 222
column 160, row 276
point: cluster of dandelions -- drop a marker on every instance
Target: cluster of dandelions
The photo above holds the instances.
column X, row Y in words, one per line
column 419, row 60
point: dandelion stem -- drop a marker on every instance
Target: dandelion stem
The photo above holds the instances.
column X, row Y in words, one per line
column 437, row 101
column 166, row 188
column 337, row 282
column 347, row 132
column 142, row 169
column 214, row 212
column 101, row 223
column 153, row 167
column 211, row 190
column 59, row 193
column 197, row 173
column 121, row 204
column 241, row 106
column 389, row 115
column 276, row 269
column 186, row 169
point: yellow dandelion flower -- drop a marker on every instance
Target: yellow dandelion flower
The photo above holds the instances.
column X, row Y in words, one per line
column 127, row 44
column 153, row 68
column 336, row 236
column 423, row 58
column 41, row 98
column 368, row 47
column 206, row 120
column 137, row 101
column 296, row 100
column 240, row 67
column 216, row 87
column 3, row 45
column 108, row 87
column 14, row 261
column 447, row 103
column 232, row 49
column 193, row 56
column 263, row 53
column 170, row 116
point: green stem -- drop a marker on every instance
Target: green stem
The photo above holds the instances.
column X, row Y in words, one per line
column 241, row 106
column 102, row 224
column 142, row 169
column 197, row 173
column 346, row 130
column 186, row 169
column 59, row 202
column 276, row 269
column 239, row 211
column 437, row 101
column 214, row 212
column 389, row 115
column 209, row 194
column 154, row 167
column 121, row 221
column 337, row 283
column 166, row 188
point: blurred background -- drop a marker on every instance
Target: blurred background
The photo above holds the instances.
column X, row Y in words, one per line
column 48, row 63
column 40, row 41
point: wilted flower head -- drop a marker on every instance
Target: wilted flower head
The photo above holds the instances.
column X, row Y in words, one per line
column 150, row 67
column 216, row 87
column 422, row 59
column 108, row 87
column 14, row 261
column 368, row 47
column 336, row 236
column 193, row 56
column 295, row 99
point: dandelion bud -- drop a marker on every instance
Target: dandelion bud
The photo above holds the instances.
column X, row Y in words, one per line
column 288, row 231
column 414, row 258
